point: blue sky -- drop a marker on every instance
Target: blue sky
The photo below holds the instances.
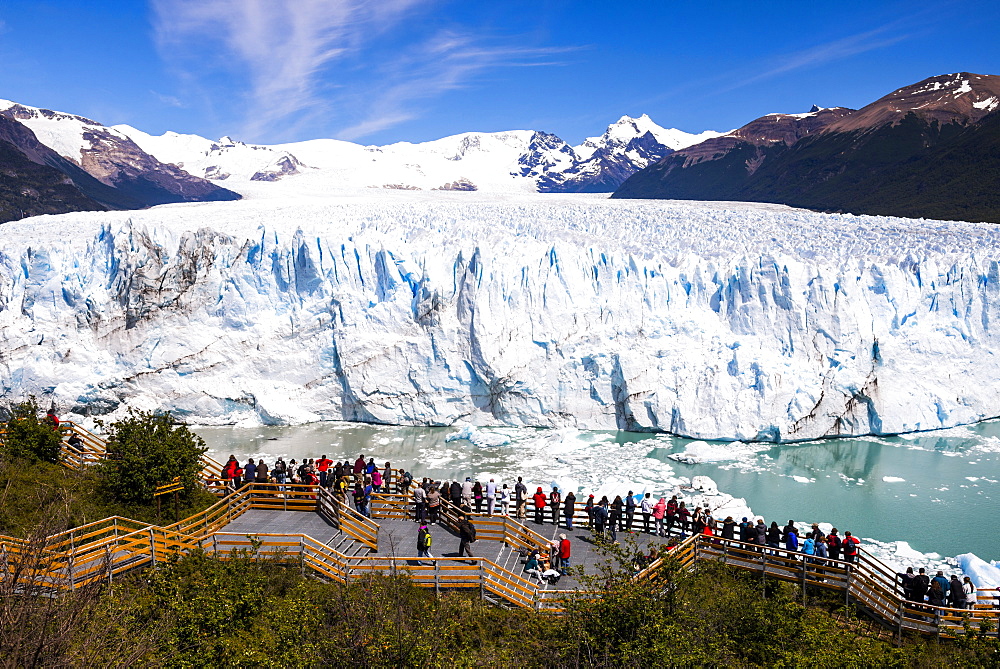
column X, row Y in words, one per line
column 392, row 70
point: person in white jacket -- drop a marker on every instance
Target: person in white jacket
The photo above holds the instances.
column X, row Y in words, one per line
column 491, row 496
column 647, row 510
column 970, row 593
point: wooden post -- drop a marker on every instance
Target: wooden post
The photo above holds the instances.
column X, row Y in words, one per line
column 215, row 544
column 302, row 555
column 107, row 557
column 437, row 579
column 69, row 562
column 152, row 546
column 804, row 563
column 482, row 580
column 847, row 588
column 157, row 507
column 177, row 506
column 899, row 625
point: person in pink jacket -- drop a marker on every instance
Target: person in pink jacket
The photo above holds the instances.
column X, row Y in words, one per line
column 659, row 512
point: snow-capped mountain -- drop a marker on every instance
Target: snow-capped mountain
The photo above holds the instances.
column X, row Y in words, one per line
column 714, row 320
column 513, row 161
column 925, row 150
column 136, row 178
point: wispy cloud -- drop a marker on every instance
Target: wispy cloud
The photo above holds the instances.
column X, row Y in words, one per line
column 828, row 52
column 285, row 53
column 169, row 100
column 280, row 46
column 445, row 62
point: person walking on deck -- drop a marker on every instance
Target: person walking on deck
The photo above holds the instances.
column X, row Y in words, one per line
column 467, row 537
column 424, row 541
column 564, row 554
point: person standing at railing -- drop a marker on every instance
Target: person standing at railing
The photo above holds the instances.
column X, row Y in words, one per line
column 387, row 477
column 261, row 473
column 433, row 504
column 589, row 509
column 453, row 493
column 232, row 471
column 477, row 496
column 503, row 496
column 569, row 509
column 520, row 499
column 555, row 504
column 646, row 508
column 359, row 465
column 791, row 539
column 969, row 590
column 659, row 512
column 600, row 512
column 420, row 504
column 617, row 511
column 629, row 510
column 684, row 517
column 942, row 582
column 467, row 492
column 850, row 547
column 834, row 544
column 728, row 528
column 540, row 502
column 491, row 496
column 377, row 481
column 249, row 471
column 956, row 595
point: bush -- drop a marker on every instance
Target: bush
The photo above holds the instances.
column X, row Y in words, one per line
column 146, row 450
column 28, row 438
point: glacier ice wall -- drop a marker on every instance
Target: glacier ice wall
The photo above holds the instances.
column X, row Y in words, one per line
column 715, row 321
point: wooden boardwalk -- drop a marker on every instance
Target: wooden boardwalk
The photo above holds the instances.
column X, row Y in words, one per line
column 320, row 533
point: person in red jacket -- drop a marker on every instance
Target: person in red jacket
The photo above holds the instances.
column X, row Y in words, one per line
column 322, row 465
column 541, row 502
column 564, row 553
column 849, row 545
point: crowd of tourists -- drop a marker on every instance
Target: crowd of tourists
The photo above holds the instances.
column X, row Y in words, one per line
column 629, row 513
column 359, row 480
column 938, row 591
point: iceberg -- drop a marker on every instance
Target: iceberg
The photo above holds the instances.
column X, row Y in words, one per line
column 714, row 321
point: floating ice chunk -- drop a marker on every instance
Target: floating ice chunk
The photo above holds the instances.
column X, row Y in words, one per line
column 892, row 479
column 972, row 478
column 983, row 574
column 479, row 437
column 700, row 452
column 704, row 484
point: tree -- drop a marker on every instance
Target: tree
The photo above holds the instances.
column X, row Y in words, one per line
column 28, row 438
column 145, row 450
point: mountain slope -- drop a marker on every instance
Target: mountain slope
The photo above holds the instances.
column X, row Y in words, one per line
column 908, row 153
column 138, row 179
column 28, row 185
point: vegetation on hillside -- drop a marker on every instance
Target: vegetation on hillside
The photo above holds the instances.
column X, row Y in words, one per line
column 244, row 611
column 37, row 495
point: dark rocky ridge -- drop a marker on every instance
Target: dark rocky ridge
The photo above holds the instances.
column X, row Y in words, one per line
column 926, row 150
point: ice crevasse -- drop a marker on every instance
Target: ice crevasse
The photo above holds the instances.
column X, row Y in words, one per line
column 714, row 321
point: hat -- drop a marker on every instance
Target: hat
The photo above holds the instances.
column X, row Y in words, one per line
column 562, row 536
column 468, row 478
column 744, row 519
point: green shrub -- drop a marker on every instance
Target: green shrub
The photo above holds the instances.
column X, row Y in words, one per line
column 28, row 438
column 146, row 450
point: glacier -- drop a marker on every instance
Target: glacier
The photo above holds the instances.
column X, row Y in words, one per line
column 717, row 321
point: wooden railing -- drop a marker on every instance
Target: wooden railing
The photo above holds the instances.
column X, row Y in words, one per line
column 347, row 520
